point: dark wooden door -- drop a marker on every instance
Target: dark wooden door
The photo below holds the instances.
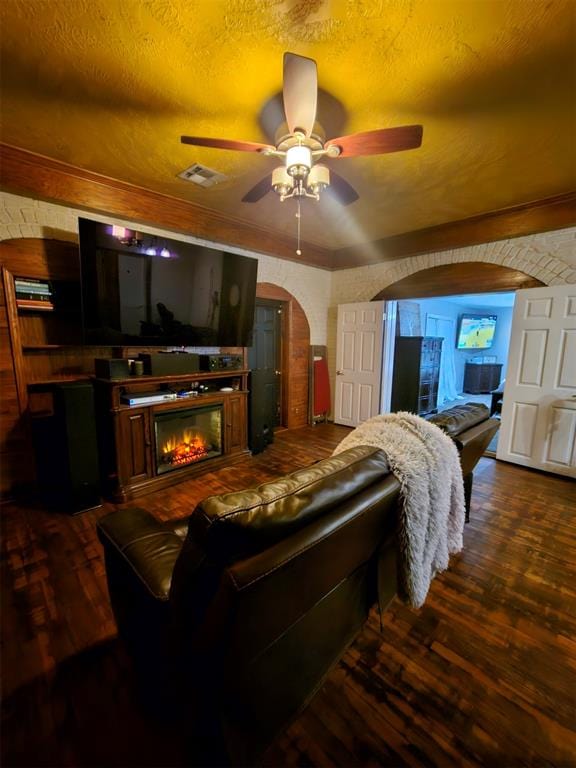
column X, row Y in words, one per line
column 264, row 361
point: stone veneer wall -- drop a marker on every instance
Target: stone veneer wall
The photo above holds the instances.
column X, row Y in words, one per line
column 26, row 217
column 548, row 256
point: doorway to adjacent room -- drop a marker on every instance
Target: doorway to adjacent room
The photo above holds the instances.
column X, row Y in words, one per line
column 475, row 332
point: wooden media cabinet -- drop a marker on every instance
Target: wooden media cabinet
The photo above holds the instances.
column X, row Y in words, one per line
column 127, row 433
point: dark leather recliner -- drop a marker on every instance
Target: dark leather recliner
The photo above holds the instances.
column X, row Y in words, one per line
column 238, row 612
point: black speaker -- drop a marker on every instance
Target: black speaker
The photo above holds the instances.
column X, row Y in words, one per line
column 66, row 448
column 111, row 368
column 169, row 363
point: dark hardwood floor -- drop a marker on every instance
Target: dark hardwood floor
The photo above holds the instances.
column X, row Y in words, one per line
column 483, row 675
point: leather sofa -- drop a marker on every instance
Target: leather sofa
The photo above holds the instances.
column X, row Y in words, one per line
column 234, row 616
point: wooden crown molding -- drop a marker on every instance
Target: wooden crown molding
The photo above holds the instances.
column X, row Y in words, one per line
column 48, row 179
column 530, row 218
column 52, row 180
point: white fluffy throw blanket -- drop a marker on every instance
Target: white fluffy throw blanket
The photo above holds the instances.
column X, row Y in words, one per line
column 427, row 464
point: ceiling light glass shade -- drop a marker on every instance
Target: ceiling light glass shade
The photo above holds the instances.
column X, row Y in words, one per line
column 281, row 182
column 318, row 178
column 119, row 232
column 165, row 253
column 298, row 161
column 150, row 251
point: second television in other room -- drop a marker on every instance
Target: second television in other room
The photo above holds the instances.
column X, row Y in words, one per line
column 476, row 331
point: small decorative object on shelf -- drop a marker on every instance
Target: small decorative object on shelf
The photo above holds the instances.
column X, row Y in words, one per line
column 33, row 293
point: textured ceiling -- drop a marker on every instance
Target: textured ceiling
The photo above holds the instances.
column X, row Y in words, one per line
column 110, row 85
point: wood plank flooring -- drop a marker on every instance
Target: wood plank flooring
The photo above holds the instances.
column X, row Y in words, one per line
column 483, row 675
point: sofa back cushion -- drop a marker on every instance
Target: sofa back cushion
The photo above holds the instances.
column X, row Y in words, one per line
column 226, row 528
column 455, row 420
column 242, row 523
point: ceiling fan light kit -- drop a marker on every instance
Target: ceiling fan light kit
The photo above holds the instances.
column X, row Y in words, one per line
column 299, row 161
column 301, row 176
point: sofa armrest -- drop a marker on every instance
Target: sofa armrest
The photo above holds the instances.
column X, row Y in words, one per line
column 473, row 442
column 147, row 547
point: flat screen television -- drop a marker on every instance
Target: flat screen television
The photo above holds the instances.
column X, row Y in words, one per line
column 146, row 290
column 476, row 331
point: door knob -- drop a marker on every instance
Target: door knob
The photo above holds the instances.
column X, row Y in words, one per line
column 339, row 373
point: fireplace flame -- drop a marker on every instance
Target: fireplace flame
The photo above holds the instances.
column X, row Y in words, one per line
column 186, row 449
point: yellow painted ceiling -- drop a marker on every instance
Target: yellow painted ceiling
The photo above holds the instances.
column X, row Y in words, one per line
column 111, row 85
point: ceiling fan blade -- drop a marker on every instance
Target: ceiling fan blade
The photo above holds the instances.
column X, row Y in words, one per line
column 378, row 142
column 258, row 190
column 300, row 92
column 240, row 146
column 343, row 192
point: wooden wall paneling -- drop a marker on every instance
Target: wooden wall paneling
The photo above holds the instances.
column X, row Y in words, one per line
column 47, row 179
column 37, row 257
column 453, row 279
column 296, row 335
column 300, row 361
column 288, row 383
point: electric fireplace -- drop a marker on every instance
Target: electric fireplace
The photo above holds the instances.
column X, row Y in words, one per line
column 185, row 437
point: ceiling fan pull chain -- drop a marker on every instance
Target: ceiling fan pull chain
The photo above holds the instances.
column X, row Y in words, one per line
column 298, row 251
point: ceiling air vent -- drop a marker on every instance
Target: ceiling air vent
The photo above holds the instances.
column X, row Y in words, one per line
column 201, row 175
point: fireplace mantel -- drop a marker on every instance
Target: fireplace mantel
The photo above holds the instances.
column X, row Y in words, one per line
column 127, row 435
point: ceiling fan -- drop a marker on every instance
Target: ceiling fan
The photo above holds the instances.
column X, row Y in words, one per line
column 301, row 174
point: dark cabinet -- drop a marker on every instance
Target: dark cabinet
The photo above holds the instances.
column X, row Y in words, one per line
column 481, row 377
column 416, row 374
column 134, row 458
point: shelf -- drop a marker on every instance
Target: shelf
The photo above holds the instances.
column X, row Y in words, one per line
column 197, row 376
column 40, row 347
column 26, row 308
column 59, row 380
column 179, row 402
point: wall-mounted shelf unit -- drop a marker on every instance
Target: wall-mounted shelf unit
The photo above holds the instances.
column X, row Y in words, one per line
column 40, row 346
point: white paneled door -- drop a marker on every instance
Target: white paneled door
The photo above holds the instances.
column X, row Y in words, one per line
column 539, row 407
column 359, row 336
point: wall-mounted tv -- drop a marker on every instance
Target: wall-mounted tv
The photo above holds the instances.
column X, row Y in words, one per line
column 145, row 290
column 476, row 331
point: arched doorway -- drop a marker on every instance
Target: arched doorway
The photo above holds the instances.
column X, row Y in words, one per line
column 465, row 277
column 449, row 282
